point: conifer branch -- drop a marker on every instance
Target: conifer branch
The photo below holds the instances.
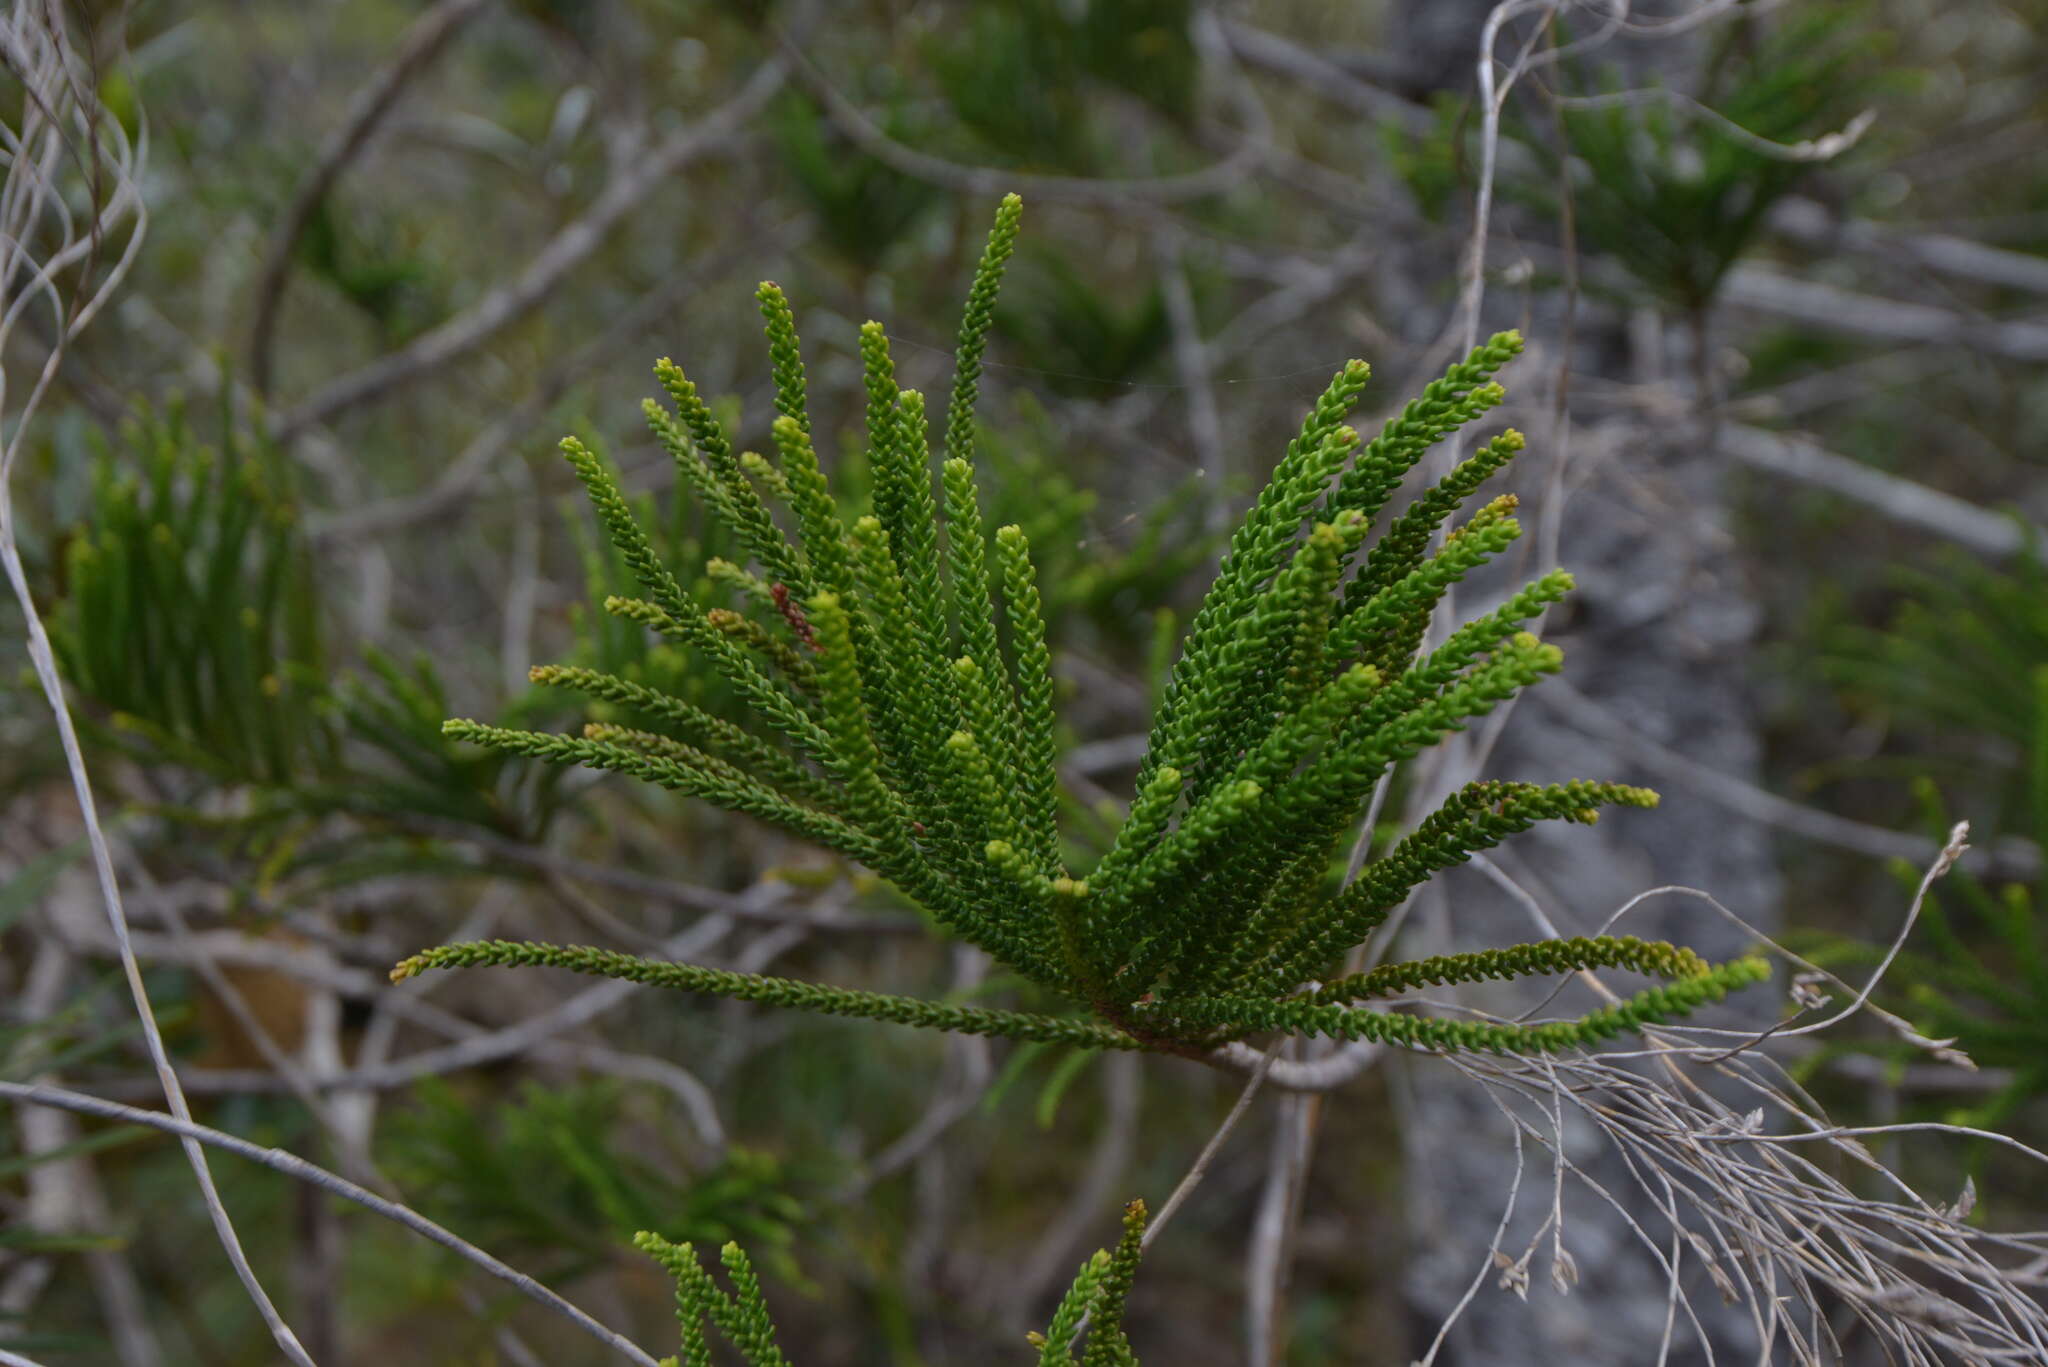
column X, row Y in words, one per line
column 975, row 321
column 785, row 356
column 700, row 775
column 1250, row 1015
column 824, row 539
column 1055, row 1346
column 1037, row 753
column 785, row 992
column 1654, row 957
column 704, row 457
column 1294, row 694
column 696, row 629
column 1107, row 1346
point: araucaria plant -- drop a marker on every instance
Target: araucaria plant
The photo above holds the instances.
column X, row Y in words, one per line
column 915, row 740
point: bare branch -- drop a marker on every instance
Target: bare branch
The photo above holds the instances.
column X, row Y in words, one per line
column 1812, row 224
column 548, row 269
column 1324, row 1074
column 991, row 181
column 1827, row 308
column 759, row 903
column 1191, row 361
column 963, row 1091
column 1269, row 1262
column 1826, row 147
column 299, row 1169
column 1200, row 1167
column 1301, row 66
column 1902, row 500
column 462, row 476
column 373, row 100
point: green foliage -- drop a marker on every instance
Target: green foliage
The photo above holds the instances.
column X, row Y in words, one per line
column 1967, row 656
column 1081, row 338
column 563, row 1171
column 1085, row 573
column 366, row 260
column 191, row 623
column 1431, row 162
column 918, row 739
column 1976, row 974
column 741, row 1315
column 1960, row 656
column 623, row 649
column 189, row 613
column 862, row 206
column 1025, row 76
column 1671, row 192
column 395, row 771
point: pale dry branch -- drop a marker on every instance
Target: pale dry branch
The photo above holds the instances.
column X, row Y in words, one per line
column 1778, row 1231
column 1848, row 313
column 1494, row 89
column 1199, row 1169
column 454, row 488
column 762, row 903
column 1902, row 500
column 1269, row 1261
column 1826, row 147
column 1813, row 224
column 1303, row 67
column 1489, row 1264
column 1325, row 1074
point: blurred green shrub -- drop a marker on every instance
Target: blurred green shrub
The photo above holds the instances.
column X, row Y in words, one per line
column 861, row 206
column 189, row 614
column 1431, row 163
column 1976, row 971
column 1107, row 575
column 191, row 623
column 1960, row 660
column 568, row 1174
column 369, row 259
column 1023, row 76
column 1092, row 1307
column 1966, row 660
column 1667, row 189
column 1083, row 340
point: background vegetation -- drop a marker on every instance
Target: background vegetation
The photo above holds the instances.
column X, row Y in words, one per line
column 296, row 499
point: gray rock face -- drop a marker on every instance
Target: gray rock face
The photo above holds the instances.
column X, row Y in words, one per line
column 1655, row 638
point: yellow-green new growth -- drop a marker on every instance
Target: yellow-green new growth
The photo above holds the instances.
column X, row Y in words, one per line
column 908, row 707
